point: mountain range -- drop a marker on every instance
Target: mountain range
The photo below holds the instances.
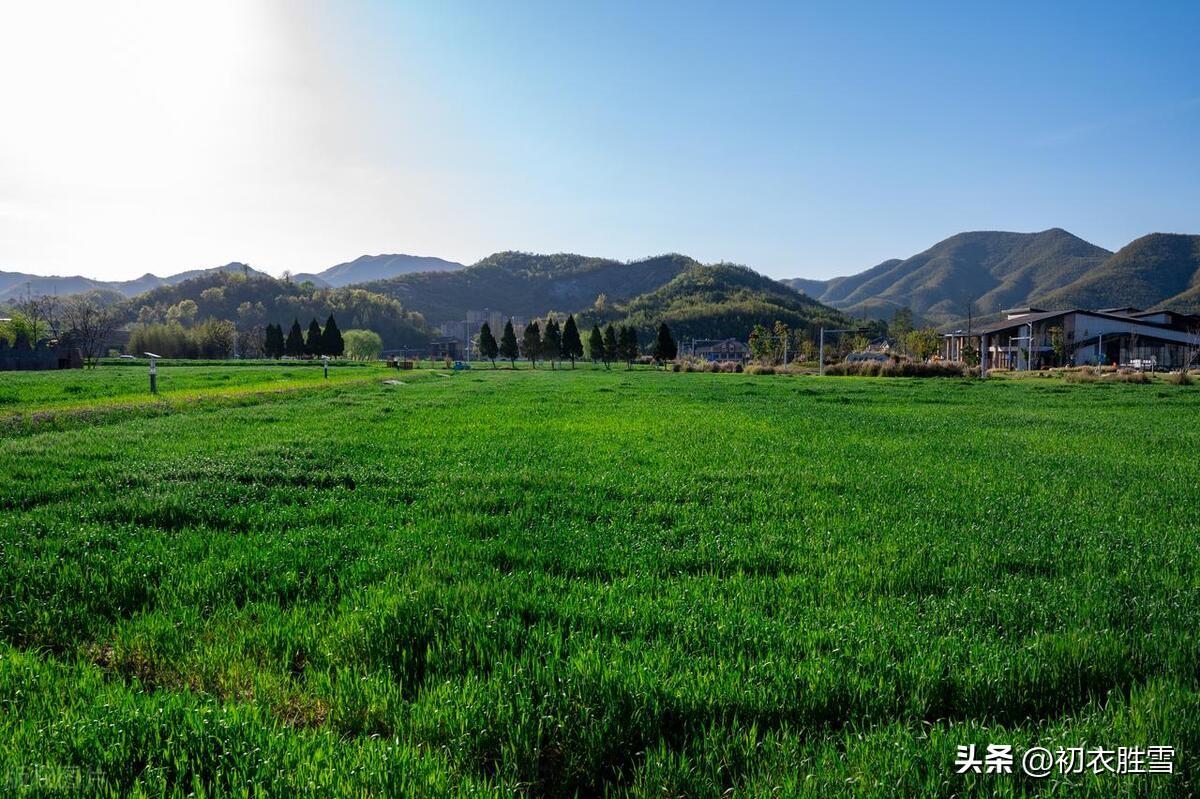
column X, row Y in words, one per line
column 14, row 285
column 366, row 268
column 984, row 272
column 978, row 273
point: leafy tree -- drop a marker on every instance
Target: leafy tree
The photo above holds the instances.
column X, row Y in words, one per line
column 596, row 345
column 782, row 335
column 551, row 341
column 213, row 338
column 760, row 344
column 274, row 345
column 183, row 312
column 487, row 344
column 362, row 345
column 923, row 343
column 1058, row 343
column 611, row 348
column 664, row 345
column 970, row 355
column 332, row 343
column 531, row 342
column 294, row 346
column 508, row 344
column 572, row 345
column 628, row 345
column 901, row 326
column 312, row 344
column 169, row 340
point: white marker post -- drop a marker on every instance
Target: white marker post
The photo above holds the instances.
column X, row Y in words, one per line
column 325, row 364
column 153, row 371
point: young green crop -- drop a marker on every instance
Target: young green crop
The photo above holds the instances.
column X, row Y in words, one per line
column 601, row 583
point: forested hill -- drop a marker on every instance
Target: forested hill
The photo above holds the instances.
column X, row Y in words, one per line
column 1162, row 269
column 257, row 300
column 526, row 285
column 725, row 300
column 992, row 269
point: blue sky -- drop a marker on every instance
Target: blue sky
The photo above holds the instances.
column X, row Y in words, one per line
column 800, row 139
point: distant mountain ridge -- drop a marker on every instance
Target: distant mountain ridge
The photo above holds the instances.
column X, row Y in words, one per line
column 694, row 299
column 367, row 268
column 1158, row 270
column 14, row 285
column 992, row 270
column 528, row 285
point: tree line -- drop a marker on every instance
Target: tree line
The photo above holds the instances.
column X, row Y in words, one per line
column 319, row 341
column 553, row 343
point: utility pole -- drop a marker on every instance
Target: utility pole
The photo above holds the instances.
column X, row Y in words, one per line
column 821, row 348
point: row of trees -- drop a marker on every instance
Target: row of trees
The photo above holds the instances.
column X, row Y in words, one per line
column 320, row 341
column 554, row 343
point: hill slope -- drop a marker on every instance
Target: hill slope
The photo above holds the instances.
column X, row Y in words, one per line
column 1158, row 269
column 725, row 300
column 994, row 269
column 14, row 285
column 527, row 285
column 255, row 300
column 367, row 268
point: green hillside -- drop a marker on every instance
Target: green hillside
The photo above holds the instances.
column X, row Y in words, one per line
column 1161, row 269
column 725, row 300
column 527, row 285
column 992, row 269
column 251, row 300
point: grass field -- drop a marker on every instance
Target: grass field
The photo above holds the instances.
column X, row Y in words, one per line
column 595, row 583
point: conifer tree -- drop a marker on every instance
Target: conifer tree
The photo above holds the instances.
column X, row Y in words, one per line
column 295, row 340
column 612, row 350
column 508, row 344
column 664, row 345
column 273, row 344
column 572, row 344
column 531, row 342
column 331, row 339
column 312, row 344
column 487, row 344
column 628, row 345
column 596, row 346
column 552, row 342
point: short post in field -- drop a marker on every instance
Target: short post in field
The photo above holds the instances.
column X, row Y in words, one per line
column 153, row 371
column 325, row 365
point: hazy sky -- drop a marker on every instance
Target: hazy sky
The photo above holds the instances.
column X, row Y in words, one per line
column 802, row 139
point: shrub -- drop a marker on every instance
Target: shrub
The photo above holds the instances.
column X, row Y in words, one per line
column 900, row 369
column 760, row 369
column 1084, row 374
column 1127, row 376
column 1180, row 378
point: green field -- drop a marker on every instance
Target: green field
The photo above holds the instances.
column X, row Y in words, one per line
column 593, row 583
